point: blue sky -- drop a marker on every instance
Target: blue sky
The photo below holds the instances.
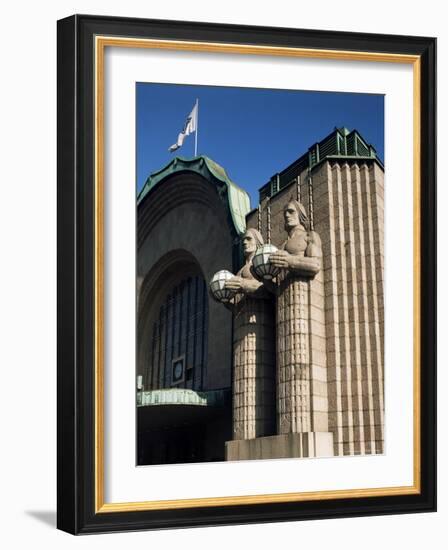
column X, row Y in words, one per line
column 252, row 133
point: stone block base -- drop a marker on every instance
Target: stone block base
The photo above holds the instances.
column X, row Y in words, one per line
column 292, row 445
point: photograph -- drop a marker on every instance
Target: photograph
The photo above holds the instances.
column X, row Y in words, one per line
column 259, row 274
column 246, row 299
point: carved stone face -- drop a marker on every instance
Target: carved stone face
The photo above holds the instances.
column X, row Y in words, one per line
column 249, row 244
column 291, row 216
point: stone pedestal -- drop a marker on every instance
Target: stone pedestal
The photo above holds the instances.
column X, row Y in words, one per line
column 254, row 368
column 302, row 402
column 292, row 445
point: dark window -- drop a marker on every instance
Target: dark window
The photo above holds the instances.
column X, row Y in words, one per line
column 179, row 338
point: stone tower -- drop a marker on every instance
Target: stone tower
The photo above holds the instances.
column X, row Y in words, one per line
column 340, row 182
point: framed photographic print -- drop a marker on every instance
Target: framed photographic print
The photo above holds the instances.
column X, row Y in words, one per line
column 246, row 274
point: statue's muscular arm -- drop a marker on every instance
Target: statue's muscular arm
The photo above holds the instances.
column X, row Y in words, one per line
column 251, row 287
column 308, row 264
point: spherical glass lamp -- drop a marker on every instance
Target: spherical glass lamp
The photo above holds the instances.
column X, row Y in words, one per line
column 262, row 267
column 217, row 286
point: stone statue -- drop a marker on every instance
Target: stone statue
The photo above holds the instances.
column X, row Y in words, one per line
column 244, row 282
column 301, row 253
column 300, row 259
column 253, row 349
column 280, row 399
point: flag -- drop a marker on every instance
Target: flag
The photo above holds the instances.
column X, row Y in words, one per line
column 190, row 126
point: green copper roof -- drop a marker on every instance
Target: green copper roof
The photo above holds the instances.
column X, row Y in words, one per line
column 237, row 199
column 340, row 144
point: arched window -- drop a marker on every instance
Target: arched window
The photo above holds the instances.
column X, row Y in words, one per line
column 178, row 349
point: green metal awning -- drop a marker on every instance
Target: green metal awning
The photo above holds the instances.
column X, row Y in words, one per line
column 180, row 396
column 171, row 407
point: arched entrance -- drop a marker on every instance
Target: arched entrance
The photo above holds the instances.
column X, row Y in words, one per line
column 176, row 414
column 173, row 324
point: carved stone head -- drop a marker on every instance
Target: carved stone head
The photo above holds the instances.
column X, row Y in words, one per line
column 252, row 239
column 294, row 215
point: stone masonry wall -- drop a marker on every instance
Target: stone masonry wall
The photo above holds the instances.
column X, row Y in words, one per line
column 346, row 299
column 348, row 214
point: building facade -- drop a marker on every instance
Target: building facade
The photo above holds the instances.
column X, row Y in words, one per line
column 190, row 216
column 293, row 366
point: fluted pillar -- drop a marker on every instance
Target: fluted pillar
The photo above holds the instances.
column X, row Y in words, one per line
column 254, row 369
column 293, row 357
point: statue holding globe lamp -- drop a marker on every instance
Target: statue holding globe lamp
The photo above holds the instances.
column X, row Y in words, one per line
column 253, row 345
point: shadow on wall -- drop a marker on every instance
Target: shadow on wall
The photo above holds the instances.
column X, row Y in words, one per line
column 47, row 517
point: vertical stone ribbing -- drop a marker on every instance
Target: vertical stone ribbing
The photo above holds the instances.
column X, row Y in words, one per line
column 348, row 206
column 325, row 224
column 360, row 214
column 310, row 203
column 305, row 191
column 344, row 322
column 254, row 369
column 353, row 310
column 317, row 355
column 374, row 255
column 268, row 228
column 293, row 365
column 377, row 196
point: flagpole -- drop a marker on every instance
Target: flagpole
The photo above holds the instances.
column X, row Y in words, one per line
column 197, row 129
